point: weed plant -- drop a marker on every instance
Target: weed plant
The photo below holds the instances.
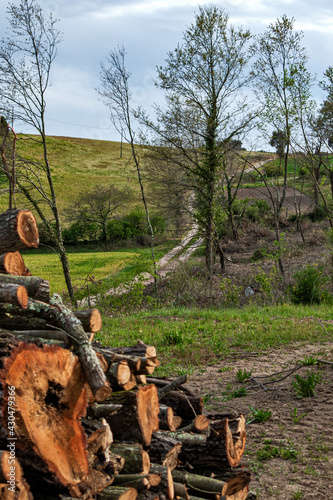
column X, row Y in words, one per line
column 259, row 415
column 243, row 375
column 309, row 286
column 305, row 388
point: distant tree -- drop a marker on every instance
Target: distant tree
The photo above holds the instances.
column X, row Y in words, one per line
column 278, row 141
column 97, row 206
column 26, row 57
column 202, row 79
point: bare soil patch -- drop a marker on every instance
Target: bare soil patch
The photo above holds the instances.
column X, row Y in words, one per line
column 298, row 428
column 261, row 193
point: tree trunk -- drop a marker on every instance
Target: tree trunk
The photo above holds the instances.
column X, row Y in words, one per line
column 37, row 288
column 18, row 230
column 13, row 294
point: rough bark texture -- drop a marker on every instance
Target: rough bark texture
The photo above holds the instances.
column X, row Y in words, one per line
column 18, row 230
column 137, row 418
column 13, row 294
column 187, row 407
column 91, row 319
column 37, row 288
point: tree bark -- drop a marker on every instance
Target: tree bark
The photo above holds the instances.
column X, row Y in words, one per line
column 13, row 294
column 187, row 407
column 91, row 319
column 18, row 230
column 138, row 416
column 37, row 288
column 136, row 459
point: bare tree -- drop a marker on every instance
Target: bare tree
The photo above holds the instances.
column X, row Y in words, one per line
column 98, row 206
column 116, row 95
column 282, row 84
column 26, row 58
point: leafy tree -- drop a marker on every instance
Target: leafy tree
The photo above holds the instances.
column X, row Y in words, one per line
column 282, row 84
column 97, row 206
column 278, row 141
column 26, row 58
column 204, row 114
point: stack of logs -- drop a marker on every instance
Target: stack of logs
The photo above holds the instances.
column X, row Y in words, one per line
column 79, row 420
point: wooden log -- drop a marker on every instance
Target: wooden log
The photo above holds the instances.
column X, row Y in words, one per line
column 166, row 417
column 161, row 382
column 91, row 319
column 65, row 319
column 187, row 407
column 223, row 447
column 171, row 386
column 49, row 401
column 118, row 374
column 140, row 349
column 147, row 365
column 184, row 437
column 137, row 481
column 99, row 442
column 181, row 491
column 37, row 288
column 21, row 322
column 13, row 263
column 118, row 493
column 138, row 416
column 102, row 410
column 136, row 459
column 166, row 484
column 200, row 425
column 141, row 379
column 13, row 294
column 18, row 230
column 164, row 450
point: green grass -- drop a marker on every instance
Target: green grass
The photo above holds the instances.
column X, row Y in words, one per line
column 78, row 164
column 186, row 337
column 92, row 264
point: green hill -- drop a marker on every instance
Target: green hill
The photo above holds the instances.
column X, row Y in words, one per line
column 79, row 164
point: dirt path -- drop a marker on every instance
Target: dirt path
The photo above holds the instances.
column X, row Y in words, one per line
column 165, row 265
column 291, row 454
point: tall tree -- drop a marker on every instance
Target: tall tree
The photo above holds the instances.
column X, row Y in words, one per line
column 26, row 57
column 282, row 85
column 204, row 113
column 116, row 95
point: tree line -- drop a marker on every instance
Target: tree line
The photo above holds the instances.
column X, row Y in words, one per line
column 221, row 84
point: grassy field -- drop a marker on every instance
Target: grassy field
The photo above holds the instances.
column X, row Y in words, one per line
column 92, row 265
column 188, row 338
column 78, row 164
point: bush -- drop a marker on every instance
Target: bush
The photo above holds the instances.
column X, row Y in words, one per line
column 273, row 169
column 79, row 231
column 309, row 285
column 258, row 210
column 118, row 230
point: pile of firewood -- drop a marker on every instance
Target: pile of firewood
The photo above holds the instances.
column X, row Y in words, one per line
column 79, row 420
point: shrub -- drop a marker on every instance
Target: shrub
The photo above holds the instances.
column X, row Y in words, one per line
column 309, row 285
column 273, row 169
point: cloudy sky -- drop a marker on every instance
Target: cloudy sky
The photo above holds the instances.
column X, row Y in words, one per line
column 149, row 29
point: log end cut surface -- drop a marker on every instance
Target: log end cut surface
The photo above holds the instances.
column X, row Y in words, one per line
column 148, row 410
column 27, row 229
column 49, row 400
column 235, row 439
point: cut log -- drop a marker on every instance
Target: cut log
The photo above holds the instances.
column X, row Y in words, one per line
column 137, row 481
column 207, row 487
column 166, row 483
column 161, row 382
column 91, row 320
column 13, row 263
column 63, row 317
column 181, row 491
column 49, row 400
column 184, row 437
column 136, row 459
column 18, row 230
column 118, row 374
column 99, row 442
column 138, row 416
column 187, row 407
column 200, row 425
column 37, row 288
column 224, row 447
column 147, row 365
column 166, row 417
column 13, row 294
column 118, row 493
column 141, row 379
column 140, row 349
column 164, row 450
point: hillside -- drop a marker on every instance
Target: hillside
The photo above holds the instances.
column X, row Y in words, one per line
column 78, row 164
